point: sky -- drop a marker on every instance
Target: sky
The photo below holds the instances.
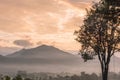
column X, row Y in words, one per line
column 31, row 23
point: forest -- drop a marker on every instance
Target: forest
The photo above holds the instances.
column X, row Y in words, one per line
column 53, row 76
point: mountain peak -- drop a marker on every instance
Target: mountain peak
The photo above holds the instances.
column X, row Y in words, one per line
column 47, row 48
column 44, row 46
column 43, row 51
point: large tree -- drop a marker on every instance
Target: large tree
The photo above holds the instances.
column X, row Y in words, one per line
column 100, row 33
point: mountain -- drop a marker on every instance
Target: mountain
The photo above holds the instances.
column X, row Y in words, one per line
column 42, row 58
column 50, row 59
column 42, row 55
column 43, row 51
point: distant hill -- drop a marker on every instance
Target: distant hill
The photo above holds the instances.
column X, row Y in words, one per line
column 42, row 58
column 42, row 55
column 50, row 59
column 43, row 51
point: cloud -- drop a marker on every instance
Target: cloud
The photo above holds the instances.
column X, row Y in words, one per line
column 23, row 43
column 24, row 23
column 36, row 16
column 17, row 16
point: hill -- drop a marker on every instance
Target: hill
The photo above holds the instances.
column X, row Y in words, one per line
column 50, row 59
column 42, row 58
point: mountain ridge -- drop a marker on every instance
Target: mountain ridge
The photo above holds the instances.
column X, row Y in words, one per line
column 42, row 50
column 48, row 58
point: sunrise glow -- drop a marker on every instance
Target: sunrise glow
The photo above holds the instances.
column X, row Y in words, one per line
column 30, row 23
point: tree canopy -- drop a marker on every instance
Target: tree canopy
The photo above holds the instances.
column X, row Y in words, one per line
column 100, row 33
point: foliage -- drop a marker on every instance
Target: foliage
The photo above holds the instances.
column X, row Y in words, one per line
column 18, row 77
column 100, row 33
column 7, row 78
column 82, row 76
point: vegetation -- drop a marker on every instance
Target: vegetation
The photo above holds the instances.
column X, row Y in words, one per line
column 18, row 77
column 100, row 33
column 83, row 76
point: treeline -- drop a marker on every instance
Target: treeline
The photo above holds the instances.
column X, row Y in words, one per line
column 82, row 76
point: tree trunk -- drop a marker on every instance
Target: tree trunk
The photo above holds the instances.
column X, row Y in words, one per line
column 105, row 72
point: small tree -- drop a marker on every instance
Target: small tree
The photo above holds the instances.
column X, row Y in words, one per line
column 7, row 78
column 18, row 77
column 100, row 33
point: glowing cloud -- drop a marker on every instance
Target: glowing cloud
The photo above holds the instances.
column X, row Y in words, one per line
column 36, row 22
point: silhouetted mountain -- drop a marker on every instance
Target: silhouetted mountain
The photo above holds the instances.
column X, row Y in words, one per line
column 43, row 51
column 42, row 55
column 50, row 59
column 42, row 58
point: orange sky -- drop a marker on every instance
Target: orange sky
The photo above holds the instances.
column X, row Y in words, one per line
column 29, row 23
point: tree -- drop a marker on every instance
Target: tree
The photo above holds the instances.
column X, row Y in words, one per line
column 75, row 77
column 27, row 79
column 18, row 77
column 100, row 33
column 7, row 78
